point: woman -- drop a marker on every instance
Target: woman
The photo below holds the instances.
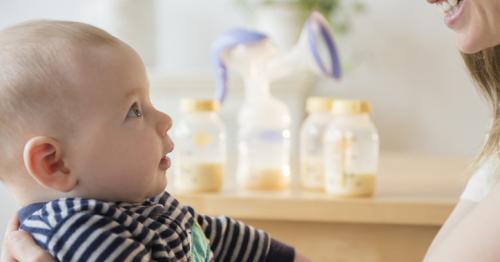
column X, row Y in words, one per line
column 472, row 232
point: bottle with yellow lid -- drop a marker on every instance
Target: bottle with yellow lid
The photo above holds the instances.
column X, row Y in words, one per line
column 200, row 147
column 312, row 174
column 351, row 150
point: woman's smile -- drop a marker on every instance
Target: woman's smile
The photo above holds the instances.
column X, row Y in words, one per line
column 453, row 10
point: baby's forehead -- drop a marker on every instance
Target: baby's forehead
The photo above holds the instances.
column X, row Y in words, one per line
column 108, row 74
column 108, row 66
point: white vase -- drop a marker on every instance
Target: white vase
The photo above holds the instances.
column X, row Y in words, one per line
column 283, row 22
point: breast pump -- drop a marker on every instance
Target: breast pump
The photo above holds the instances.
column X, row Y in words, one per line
column 264, row 121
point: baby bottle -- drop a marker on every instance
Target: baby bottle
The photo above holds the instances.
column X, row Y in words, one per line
column 312, row 174
column 200, row 147
column 351, row 150
column 263, row 141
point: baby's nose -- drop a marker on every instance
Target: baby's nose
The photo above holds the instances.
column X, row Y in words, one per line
column 164, row 124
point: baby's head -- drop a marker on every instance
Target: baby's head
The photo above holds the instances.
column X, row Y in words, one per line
column 75, row 116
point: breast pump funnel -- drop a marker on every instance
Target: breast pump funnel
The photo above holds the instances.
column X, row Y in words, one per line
column 315, row 52
column 263, row 121
column 246, row 51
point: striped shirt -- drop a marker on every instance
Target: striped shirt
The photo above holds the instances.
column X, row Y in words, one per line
column 159, row 229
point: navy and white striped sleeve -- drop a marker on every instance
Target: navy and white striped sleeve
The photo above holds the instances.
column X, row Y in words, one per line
column 232, row 240
column 85, row 236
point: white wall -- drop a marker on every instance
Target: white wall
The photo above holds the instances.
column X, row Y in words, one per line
column 423, row 99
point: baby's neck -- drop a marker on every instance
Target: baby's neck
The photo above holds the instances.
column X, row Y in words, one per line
column 29, row 192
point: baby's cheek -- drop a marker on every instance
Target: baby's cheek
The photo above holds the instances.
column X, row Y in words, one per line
column 133, row 169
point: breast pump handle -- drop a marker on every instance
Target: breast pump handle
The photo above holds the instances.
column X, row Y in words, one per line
column 316, row 22
column 226, row 41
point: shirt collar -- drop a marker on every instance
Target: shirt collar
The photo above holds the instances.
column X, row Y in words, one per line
column 28, row 210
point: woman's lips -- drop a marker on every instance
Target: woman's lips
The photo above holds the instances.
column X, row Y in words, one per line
column 452, row 17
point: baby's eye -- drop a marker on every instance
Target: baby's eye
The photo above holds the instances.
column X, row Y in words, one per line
column 134, row 111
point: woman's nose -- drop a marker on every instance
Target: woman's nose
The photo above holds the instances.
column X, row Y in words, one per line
column 164, row 124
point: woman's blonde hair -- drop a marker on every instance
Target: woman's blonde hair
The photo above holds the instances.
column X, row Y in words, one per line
column 484, row 68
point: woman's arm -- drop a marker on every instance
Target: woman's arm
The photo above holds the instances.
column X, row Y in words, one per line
column 461, row 210
column 19, row 246
column 474, row 238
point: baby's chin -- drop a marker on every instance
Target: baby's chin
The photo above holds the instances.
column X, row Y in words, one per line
column 159, row 187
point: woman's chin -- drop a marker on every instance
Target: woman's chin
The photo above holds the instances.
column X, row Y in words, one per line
column 472, row 42
column 468, row 47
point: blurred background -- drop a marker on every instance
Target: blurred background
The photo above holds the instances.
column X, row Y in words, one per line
column 397, row 54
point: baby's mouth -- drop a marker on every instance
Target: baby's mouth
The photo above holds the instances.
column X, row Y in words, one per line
column 165, row 163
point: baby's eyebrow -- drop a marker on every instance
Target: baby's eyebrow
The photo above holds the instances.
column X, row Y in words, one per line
column 133, row 92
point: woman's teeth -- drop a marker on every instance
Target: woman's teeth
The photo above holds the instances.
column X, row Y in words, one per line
column 449, row 6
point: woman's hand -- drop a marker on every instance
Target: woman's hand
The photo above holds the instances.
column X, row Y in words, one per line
column 19, row 246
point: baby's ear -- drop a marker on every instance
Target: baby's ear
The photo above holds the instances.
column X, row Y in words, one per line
column 43, row 160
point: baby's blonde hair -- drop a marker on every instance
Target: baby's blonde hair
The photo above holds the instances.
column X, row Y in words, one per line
column 35, row 87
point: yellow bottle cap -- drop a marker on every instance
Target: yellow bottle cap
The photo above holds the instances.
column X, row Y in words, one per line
column 199, row 105
column 341, row 107
column 319, row 104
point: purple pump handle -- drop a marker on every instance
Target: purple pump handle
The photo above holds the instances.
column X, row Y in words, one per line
column 228, row 40
column 317, row 22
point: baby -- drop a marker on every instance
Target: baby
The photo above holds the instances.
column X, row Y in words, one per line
column 85, row 153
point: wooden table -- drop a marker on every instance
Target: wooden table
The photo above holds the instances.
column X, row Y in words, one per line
column 414, row 196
